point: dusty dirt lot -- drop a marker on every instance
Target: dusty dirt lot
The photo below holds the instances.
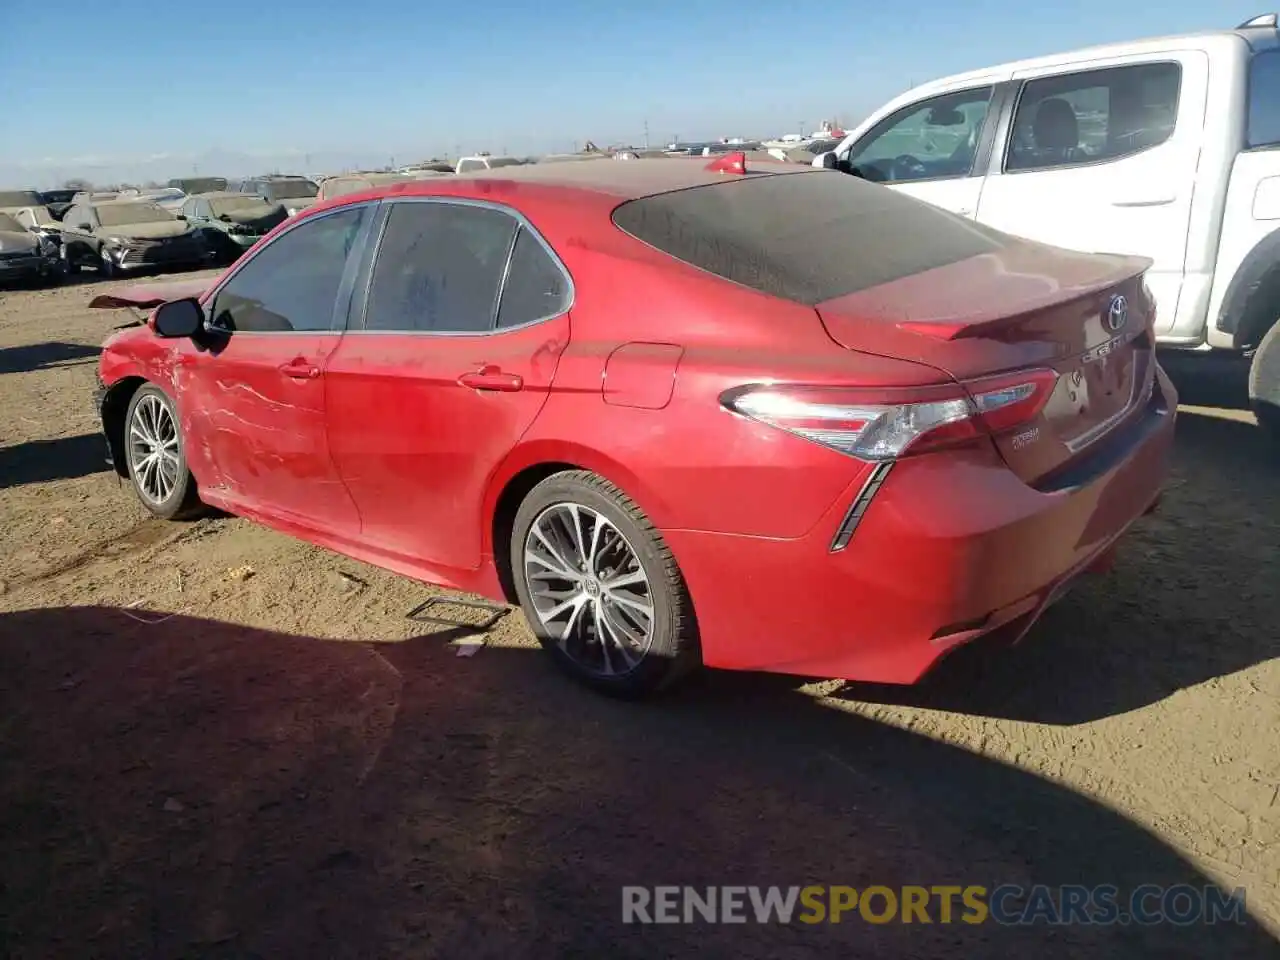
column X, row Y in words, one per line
column 200, row 764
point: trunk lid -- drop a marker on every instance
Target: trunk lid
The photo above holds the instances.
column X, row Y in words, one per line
column 1024, row 306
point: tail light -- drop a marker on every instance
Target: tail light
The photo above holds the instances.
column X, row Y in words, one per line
column 886, row 423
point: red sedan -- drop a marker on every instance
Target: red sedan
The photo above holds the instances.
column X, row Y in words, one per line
column 763, row 419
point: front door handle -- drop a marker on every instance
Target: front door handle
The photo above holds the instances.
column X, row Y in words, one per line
column 300, row 369
column 492, row 378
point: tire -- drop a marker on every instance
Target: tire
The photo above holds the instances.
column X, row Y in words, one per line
column 1264, row 382
column 669, row 649
column 170, row 493
column 71, row 267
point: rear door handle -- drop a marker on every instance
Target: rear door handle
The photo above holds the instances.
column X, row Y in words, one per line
column 492, row 378
column 300, row 369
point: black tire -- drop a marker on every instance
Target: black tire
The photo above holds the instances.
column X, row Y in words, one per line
column 183, row 500
column 71, row 268
column 672, row 650
column 1264, row 382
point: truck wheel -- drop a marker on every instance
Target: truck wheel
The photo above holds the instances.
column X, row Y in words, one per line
column 1264, row 382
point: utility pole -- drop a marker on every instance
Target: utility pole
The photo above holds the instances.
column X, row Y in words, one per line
column 646, row 134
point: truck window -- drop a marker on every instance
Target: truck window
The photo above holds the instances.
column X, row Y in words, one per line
column 1094, row 116
column 1264, row 100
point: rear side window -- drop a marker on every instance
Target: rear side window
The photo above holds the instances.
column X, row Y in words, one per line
column 1264, row 100
column 439, row 268
column 536, row 288
column 1094, row 116
column 806, row 237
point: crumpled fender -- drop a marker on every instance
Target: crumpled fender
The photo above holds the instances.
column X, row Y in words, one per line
column 146, row 295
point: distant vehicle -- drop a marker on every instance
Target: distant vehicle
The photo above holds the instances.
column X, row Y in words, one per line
column 355, row 182
column 58, row 201
column 433, row 166
column 17, row 199
column 486, row 162
column 1163, row 148
column 411, row 391
column 231, row 223
column 804, row 153
column 96, row 196
column 294, row 193
column 193, row 185
column 170, row 198
column 40, row 221
column 116, row 236
column 26, row 256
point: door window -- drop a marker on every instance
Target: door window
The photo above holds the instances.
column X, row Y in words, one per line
column 292, row 283
column 536, row 288
column 928, row 140
column 439, row 268
column 1093, row 117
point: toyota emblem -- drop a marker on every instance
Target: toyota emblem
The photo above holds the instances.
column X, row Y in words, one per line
column 1117, row 314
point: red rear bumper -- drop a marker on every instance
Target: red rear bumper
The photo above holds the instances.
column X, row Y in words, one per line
column 950, row 548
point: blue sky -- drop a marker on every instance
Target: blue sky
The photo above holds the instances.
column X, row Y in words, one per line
column 133, row 88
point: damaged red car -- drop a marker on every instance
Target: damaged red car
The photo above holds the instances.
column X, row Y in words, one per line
column 760, row 418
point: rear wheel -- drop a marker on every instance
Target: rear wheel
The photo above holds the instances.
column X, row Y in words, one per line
column 156, row 457
column 1264, row 382
column 600, row 588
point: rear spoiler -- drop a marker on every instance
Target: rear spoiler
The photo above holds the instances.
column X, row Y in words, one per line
column 148, row 295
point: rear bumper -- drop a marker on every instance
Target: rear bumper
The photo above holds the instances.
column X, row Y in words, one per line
column 950, row 548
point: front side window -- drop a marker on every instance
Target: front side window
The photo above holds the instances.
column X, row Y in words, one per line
column 292, row 283
column 933, row 139
column 1092, row 117
column 439, row 268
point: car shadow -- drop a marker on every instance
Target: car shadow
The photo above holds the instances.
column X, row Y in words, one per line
column 39, row 461
column 37, row 356
column 181, row 787
column 1208, row 379
column 1157, row 623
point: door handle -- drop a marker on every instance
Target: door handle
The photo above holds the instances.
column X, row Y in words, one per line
column 492, row 378
column 300, row 369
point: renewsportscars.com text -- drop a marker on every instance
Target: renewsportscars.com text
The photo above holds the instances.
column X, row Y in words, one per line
column 1008, row 904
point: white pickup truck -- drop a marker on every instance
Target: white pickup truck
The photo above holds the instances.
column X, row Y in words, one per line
column 1168, row 148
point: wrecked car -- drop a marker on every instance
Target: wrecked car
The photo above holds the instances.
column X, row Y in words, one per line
column 115, row 236
column 25, row 255
column 231, row 223
column 294, row 193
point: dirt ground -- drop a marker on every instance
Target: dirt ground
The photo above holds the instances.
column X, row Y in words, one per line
column 196, row 761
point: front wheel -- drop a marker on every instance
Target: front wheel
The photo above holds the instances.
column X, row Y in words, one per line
column 155, row 456
column 600, row 588
column 1264, row 382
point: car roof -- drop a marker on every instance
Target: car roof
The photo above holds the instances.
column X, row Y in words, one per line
column 1254, row 36
column 625, row 180
column 219, row 195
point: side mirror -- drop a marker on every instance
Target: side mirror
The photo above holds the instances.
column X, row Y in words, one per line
column 182, row 216
column 177, row 319
column 828, row 160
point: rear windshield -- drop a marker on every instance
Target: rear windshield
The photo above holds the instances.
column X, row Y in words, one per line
column 1264, row 100
column 277, row 190
column 200, row 184
column 806, row 237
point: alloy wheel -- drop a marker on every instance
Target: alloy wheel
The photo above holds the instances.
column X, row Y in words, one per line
column 589, row 589
column 153, row 449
